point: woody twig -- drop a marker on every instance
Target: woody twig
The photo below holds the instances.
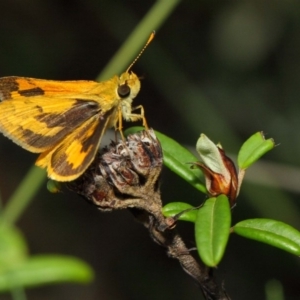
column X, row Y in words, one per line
column 126, row 176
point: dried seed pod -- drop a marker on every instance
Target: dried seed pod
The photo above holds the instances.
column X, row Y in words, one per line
column 123, row 175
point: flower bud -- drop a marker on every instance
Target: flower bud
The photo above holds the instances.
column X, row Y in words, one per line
column 219, row 170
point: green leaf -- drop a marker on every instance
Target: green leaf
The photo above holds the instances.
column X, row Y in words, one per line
column 274, row 233
column 210, row 155
column 54, row 186
column 46, row 269
column 177, row 159
column 212, row 229
column 13, row 248
column 175, row 208
column 255, row 147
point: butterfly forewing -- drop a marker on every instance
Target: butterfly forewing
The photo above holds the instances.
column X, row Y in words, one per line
column 39, row 122
column 18, row 87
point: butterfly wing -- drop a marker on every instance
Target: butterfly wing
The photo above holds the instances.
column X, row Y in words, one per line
column 36, row 114
column 62, row 120
column 14, row 87
column 70, row 158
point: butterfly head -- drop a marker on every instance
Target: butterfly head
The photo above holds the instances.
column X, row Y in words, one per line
column 129, row 85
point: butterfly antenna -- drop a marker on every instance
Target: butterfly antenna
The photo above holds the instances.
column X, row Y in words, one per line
column 151, row 37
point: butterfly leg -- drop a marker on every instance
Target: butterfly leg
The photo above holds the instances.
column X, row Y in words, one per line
column 140, row 116
column 120, row 124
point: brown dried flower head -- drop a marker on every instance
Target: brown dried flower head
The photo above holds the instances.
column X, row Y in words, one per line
column 122, row 171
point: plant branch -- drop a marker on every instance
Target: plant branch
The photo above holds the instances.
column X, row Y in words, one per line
column 126, row 176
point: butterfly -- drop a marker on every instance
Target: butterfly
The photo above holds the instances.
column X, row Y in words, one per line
column 64, row 121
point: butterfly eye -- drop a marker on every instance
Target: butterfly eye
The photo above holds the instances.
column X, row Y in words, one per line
column 123, row 90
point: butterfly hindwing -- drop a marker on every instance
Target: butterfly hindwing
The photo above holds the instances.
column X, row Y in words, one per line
column 73, row 155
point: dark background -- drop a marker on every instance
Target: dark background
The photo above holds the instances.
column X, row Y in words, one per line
column 223, row 68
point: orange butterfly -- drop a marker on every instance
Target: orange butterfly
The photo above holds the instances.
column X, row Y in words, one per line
column 65, row 120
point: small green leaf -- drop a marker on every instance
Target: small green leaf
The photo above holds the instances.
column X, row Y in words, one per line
column 46, row 269
column 54, row 186
column 212, row 229
column 177, row 159
column 274, row 233
column 210, row 155
column 175, row 208
column 13, row 248
column 255, row 147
